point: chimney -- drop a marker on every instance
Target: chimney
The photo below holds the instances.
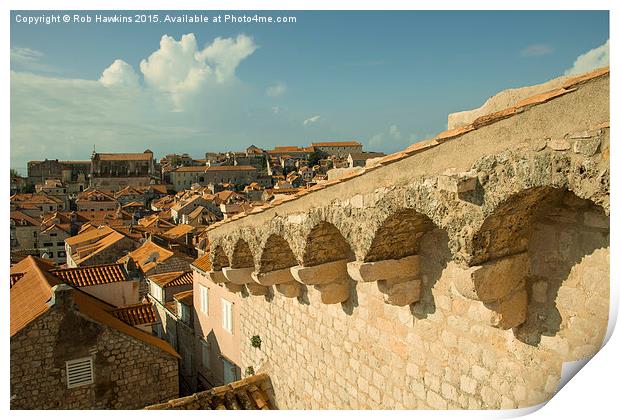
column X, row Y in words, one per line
column 62, row 297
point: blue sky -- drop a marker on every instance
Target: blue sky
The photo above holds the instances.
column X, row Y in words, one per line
column 387, row 79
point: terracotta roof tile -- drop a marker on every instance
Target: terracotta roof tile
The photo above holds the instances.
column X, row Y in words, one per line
column 139, row 314
column 175, row 278
column 148, row 255
column 92, row 275
column 541, row 98
column 251, row 393
column 203, row 263
column 179, row 231
column 585, row 77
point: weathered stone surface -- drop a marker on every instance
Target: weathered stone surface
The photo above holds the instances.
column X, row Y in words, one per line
column 449, row 349
column 290, row 290
column 216, row 277
column 273, row 277
column 257, row 289
column 492, row 280
column 509, row 311
column 404, row 293
column 238, row 276
column 335, row 271
column 558, row 144
column 458, row 183
column 385, row 269
column 587, row 146
column 335, row 292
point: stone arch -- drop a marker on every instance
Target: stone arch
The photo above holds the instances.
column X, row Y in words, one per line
column 541, row 265
column 242, row 255
column 219, row 258
column 276, row 255
column 399, row 235
column 325, row 244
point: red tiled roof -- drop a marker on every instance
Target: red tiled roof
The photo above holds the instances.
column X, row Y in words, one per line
column 175, row 278
column 203, row 263
column 30, row 295
column 92, row 275
column 139, row 314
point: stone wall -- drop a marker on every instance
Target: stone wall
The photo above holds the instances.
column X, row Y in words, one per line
column 129, row 374
column 460, row 274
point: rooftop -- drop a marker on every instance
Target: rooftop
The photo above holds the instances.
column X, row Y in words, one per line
column 92, row 275
column 139, row 314
column 174, row 278
column 203, row 263
column 29, row 298
column 251, row 393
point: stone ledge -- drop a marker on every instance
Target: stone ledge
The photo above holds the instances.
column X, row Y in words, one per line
column 239, row 276
column 384, row 270
column 330, row 272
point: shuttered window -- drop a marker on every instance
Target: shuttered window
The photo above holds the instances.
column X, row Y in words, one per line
column 79, row 372
column 204, row 299
column 227, row 315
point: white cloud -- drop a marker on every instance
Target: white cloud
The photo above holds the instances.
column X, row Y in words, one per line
column 593, row 59
column 181, row 70
column 536, row 50
column 276, row 109
column 119, row 74
column 29, row 59
column 395, row 132
column 311, row 120
column 276, row 90
column 225, row 54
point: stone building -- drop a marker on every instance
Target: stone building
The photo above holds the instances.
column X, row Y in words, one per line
column 93, row 200
column 68, row 351
column 94, row 246
column 340, row 149
column 74, row 173
column 461, row 272
column 118, row 170
column 183, row 177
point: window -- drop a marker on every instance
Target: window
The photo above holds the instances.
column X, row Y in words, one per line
column 62, row 254
column 230, row 371
column 62, row 244
column 204, row 299
column 48, row 244
column 79, row 372
column 205, row 352
column 183, row 312
column 53, row 234
column 227, row 314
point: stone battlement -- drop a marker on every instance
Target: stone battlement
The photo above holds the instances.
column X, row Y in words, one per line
column 449, row 275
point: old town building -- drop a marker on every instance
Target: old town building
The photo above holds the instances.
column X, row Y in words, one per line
column 68, row 350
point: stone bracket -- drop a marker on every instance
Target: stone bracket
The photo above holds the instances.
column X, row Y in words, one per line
column 384, row 270
column 239, row 276
column 401, row 292
column 330, row 272
column 397, row 279
column 500, row 286
column 216, row 277
column 330, row 279
column 257, row 289
column 273, row 277
column 291, row 289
